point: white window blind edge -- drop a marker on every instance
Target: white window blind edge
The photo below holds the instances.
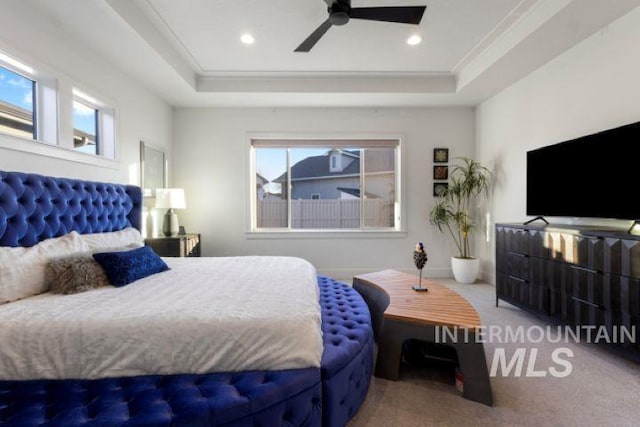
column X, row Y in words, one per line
column 323, row 143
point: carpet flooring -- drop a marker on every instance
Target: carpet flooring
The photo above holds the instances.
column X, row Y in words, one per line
column 603, row 388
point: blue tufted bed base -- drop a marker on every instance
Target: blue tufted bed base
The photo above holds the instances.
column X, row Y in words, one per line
column 302, row 397
column 33, row 208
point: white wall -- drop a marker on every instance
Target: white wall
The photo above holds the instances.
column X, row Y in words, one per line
column 591, row 87
column 140, row 115
column 211, row 162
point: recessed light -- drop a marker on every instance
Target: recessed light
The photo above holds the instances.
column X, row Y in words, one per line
column 414, row 40
column 247, row 39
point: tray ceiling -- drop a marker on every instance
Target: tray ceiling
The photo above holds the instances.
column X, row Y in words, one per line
column 190, row 53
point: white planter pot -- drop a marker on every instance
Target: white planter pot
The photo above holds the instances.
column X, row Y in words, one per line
column 465, row 270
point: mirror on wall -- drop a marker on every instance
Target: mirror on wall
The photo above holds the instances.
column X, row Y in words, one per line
column 153, row 169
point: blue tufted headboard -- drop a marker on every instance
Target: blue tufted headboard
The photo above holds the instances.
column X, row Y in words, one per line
column 35, row 207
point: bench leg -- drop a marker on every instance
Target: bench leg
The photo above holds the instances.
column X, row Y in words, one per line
column 389, row 357
column 473, row 364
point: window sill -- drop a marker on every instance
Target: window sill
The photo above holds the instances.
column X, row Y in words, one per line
column 39, row 148
column 326, row 234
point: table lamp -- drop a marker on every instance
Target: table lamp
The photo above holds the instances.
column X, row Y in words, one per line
column 170, row 198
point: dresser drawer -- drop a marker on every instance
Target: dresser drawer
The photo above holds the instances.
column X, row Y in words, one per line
column 630, row 296
column 586, row 285
column 584, row 251
column 561, row 306
column 546, row 273
column 621, row 256
column 630, row 259
column 556, row 299
column 512, row 239
column 512, row 288
column 588, row 314
column 523, row 292
column 518, row 265
column 537, row 298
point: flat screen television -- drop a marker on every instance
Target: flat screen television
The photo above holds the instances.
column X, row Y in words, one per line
column 595, row 176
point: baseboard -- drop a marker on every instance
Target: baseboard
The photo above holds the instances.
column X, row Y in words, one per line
column 488, row 277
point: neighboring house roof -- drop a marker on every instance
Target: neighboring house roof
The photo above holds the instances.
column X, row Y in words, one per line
column 356, row 192
column 261, row 179
column 318, row 166
column 15, row 112
column 82, row 138
column 352, row 153
column 14, row 118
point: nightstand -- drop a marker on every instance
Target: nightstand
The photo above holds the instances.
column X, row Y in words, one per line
column 187, row 245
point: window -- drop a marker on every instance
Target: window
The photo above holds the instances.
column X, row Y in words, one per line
column 28, row 102
column 93, row 126
column 334, row 163
column 326, row 185
column 85, row 128
column 17, row 101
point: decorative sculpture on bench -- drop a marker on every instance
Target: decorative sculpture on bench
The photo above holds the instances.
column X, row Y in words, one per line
column 419, row 259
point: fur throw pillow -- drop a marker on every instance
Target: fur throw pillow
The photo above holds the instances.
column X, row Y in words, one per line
column 74, row 274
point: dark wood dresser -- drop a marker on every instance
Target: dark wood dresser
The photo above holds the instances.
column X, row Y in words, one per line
column 571, row 275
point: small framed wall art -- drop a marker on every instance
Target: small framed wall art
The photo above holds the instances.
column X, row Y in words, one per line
column 439, row 188
column 441, row 172
column 440, row 155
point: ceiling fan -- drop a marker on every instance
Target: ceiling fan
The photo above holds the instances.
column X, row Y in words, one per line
column 340, row 12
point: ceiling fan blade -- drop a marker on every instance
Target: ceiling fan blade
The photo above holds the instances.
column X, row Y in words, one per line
column 314, row 37
column 401, row 14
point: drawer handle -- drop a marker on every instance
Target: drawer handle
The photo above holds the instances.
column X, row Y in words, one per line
column 518, row 279
column 588, row 270
column 582, row 301
column 518, row 254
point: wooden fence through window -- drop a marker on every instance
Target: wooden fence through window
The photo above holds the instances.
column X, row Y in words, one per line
column 324, row 214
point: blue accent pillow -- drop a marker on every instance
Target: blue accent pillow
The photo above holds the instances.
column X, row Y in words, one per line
column 123, row 268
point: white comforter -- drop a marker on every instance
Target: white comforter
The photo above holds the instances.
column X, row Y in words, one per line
column 204, row 315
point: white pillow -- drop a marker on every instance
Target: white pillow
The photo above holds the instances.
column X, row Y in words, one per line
column 129, row 237
column 22, row 269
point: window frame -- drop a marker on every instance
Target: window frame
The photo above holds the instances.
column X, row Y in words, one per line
column 288, row 141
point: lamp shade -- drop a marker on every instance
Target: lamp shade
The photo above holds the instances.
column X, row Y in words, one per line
column 170, row 198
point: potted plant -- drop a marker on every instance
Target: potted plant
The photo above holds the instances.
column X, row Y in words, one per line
column 453, row 211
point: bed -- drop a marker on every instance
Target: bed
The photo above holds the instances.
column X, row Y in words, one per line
column 36, row 208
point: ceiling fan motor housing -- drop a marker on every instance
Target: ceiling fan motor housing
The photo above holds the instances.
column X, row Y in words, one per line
column 339, row 12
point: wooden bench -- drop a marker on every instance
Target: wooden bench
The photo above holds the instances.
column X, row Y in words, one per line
column 400, row 313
